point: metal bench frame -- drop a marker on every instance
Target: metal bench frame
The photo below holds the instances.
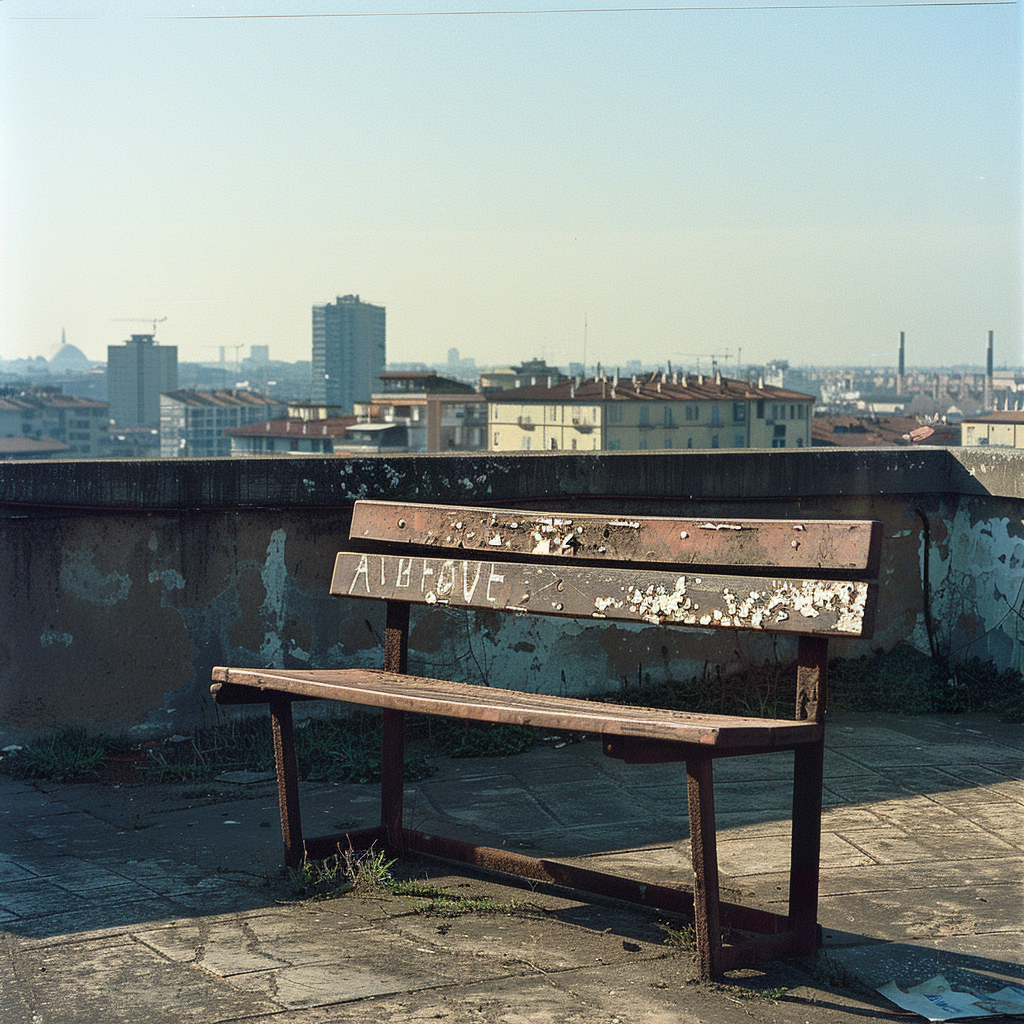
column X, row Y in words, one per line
column 580, row 547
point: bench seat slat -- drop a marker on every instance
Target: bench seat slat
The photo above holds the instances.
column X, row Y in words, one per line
column 832, row 607
column 804, row 545
column 383, row 689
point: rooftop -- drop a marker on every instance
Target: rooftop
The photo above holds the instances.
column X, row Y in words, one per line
column 676, row 387
column 225, row 399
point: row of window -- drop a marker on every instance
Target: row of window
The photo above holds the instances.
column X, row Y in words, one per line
column 797, row 411
column 614, row 444
column 614, row 413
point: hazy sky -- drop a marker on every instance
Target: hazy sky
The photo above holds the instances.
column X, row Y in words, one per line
column 796, row 183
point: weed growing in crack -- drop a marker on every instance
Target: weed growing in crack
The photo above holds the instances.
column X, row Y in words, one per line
column 59, row 757
column 683, row 937
column 345, row 871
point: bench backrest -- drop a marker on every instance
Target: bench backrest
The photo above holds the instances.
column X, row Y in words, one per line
column 810, row 578
column 780, row 576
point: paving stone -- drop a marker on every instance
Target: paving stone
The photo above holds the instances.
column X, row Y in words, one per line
column 922, row 866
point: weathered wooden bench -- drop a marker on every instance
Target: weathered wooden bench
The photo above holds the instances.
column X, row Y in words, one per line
column 804, row 578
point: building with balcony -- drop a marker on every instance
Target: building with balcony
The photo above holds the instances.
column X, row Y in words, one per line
column 349, row 351
column 654, row 412
column 79, row 425
column 193, row 423
column 439, row 414
column 290, row 436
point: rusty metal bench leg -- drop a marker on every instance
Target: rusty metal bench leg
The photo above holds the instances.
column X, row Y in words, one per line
column 392, row 772
column 701, row 801
column 392, row 765
column 287, row 778
column 808, row 779
column 808, row 768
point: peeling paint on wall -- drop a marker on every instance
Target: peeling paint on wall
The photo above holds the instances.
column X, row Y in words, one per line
column 53, row 636
column 170, row 578
column 79, row 576
column 977, row 581
column 274, row 573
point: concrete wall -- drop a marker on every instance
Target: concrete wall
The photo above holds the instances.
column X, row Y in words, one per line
column 125, row 582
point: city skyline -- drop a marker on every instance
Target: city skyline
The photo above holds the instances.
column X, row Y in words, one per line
column 795, row 184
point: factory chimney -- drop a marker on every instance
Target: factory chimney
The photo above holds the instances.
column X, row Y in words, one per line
column 988, row 375
column 899, row 376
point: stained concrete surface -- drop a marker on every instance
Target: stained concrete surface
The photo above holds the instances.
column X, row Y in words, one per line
column 168, row 903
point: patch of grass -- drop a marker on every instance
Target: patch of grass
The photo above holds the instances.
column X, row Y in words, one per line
column 682, row 937
column 901, row 681
column 341, row 749
column 775, row 994
column 180, row 766
column 345, row 871
column 457, row 738
column 439, row 902
column 62, row 756
column 710, row 694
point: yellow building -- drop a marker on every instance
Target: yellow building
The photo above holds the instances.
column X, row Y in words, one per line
column 656, row 411
column 1005, row 429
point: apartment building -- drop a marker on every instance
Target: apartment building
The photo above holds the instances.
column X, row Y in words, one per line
column 78, row 424
column 655, row 411
column 193, row 423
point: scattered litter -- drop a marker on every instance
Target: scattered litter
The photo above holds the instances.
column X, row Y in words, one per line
column 936, row 999
column 245, row 778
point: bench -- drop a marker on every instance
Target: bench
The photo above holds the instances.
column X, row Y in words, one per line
column 810, row 579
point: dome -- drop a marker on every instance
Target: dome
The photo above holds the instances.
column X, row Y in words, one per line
column 69, row 357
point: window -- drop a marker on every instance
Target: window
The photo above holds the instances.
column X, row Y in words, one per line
column 642, row 444
column 668, row 440
column 802, row 412
column 613, row 446
column 645, row 416
column 667, row 416
column 574, row 444
column 776, row 443
column 614, row 413
column 739, row 441
column 792, row 412
column 799, row 442
column 689, row 442
column 497, row 439
column 714, row 440
column 760, row 409
column 779, row 430
column 693, row 412
column 524, row 443
column 739, row 412
column 554, row 443
column 715, row 420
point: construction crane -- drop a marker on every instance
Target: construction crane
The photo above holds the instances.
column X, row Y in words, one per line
column 140, row 320
column 698, row 356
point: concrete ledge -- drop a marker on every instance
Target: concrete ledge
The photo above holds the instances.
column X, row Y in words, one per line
column 311, row 482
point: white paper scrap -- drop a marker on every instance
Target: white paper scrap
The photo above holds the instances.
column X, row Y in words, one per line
column 935, row 999
column 1006, row 1000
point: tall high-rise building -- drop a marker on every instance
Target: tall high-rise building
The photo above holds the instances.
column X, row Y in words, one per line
column 348, row 351
column 137, row 372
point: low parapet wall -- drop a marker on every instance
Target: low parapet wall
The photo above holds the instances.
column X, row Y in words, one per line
column 125, row 582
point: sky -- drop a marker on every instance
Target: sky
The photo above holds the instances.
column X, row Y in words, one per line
column 753, row 182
